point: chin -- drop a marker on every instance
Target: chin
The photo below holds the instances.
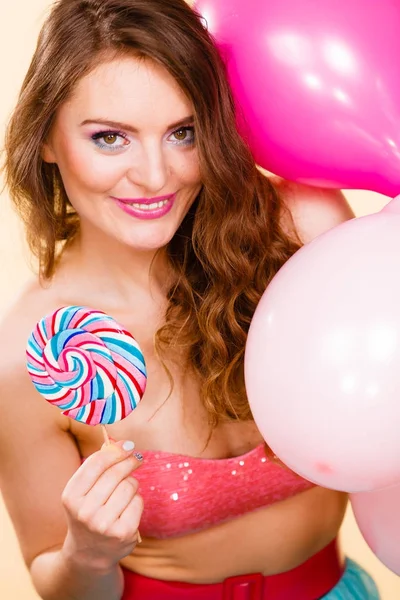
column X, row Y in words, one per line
column 148, row 245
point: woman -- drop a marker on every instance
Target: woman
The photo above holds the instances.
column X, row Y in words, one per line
column 140, row 199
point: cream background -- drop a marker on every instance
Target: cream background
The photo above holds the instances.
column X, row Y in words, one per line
column 20, row 25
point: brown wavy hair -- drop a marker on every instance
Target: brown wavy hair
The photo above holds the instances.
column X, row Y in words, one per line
column 232, row 241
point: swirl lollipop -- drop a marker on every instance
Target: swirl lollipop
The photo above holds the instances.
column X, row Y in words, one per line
column 85, row 363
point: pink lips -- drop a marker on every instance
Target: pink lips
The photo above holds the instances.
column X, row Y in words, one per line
column 146, row 213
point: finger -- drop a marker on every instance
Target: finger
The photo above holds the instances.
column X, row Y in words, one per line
column 128, row 523
column 110, row 442
column 95, row 465
column 105, row 486
column 121, row 497
column 107, row 482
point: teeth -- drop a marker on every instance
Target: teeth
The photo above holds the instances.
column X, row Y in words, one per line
column 152, row 206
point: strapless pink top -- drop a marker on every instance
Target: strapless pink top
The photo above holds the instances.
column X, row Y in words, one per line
column 183, row 494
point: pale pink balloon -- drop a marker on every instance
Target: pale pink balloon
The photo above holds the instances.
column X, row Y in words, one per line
column 318, row 83
column 322, row 361
column 378, row 517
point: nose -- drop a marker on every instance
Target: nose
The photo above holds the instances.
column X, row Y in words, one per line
column 150, row 169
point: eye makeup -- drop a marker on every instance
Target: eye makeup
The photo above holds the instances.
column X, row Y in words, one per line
column 111, row 136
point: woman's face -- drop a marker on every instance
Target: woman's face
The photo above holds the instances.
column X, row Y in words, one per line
column 124, row 144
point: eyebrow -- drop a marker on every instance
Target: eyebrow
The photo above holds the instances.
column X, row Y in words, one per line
column 127, row 127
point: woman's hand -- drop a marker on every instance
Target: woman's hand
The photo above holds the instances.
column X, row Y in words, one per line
column 103, row 508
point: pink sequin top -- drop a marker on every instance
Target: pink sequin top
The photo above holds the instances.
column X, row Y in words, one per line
column 184, row 494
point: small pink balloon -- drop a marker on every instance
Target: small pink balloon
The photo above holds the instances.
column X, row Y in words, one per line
column 322, row 361
column 318, row 84
column 378, row 517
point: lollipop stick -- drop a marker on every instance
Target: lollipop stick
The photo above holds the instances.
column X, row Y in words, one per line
column 105, row 435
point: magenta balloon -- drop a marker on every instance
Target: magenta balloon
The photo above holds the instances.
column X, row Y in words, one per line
column 318, row 82
column 322, row 360
column 378, row 517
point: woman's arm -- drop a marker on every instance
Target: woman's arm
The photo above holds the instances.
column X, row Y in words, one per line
column 58, row 577
column 314, row 210
column 38, row 457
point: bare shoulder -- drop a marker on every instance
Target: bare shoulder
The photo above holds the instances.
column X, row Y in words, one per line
column 30, row 303
column 16, row 324
column 15, row 327
column 37, row 453
column 314, row 210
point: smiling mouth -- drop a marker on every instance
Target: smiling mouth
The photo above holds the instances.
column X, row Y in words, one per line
column 145, row 207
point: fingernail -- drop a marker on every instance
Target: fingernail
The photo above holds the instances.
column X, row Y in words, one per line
column 138, row 455
column 128, row 446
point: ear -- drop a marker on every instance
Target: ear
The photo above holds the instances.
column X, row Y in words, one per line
column 47, row 153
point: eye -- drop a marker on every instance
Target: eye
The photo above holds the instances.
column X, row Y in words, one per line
column 110, row 140
column 184, row 136
column 181, row 134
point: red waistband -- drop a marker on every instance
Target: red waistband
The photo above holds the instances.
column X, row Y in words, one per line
column 309, row 581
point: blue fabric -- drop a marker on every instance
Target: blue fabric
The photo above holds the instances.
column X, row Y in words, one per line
column 355, row 584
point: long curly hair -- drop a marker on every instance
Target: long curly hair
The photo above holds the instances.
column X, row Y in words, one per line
column 232, row 241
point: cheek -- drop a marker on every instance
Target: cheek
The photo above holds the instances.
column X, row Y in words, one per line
column 189, row 170
column 83, row 168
